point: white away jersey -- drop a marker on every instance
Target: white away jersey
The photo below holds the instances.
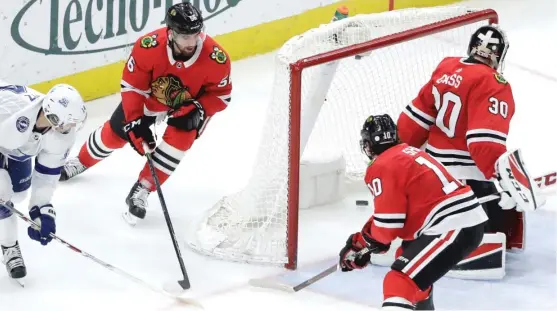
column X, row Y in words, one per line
column 19, row 109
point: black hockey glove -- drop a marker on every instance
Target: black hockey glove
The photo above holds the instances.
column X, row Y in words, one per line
column 139, row 133
column 349, row 257
column 187, row 118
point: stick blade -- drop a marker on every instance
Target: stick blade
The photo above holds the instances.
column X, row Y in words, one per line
column 173, row 288
column 185, row 284
column 176, row 291
column 271, row 284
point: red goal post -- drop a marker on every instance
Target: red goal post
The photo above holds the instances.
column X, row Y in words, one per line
column 296, row 99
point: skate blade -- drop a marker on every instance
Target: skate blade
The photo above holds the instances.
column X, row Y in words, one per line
column 129, row 218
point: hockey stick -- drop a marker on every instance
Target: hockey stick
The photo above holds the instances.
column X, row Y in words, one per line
column 102, row 263
column 185, row 283
column 266, row 283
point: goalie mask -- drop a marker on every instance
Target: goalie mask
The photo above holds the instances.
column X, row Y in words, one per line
column 489, row 42
column 378, row 134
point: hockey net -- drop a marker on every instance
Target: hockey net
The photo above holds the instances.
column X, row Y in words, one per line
column 327, row 81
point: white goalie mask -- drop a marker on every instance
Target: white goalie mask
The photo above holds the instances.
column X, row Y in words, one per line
column 64, row 108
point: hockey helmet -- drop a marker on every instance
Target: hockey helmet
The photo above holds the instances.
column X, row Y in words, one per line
column 184, row 18
column 489, row 42
column 64, row 108
column 378, row 134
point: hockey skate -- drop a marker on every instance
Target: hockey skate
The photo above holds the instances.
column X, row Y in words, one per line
column 72, row 168
column 137, row 203
column 14, row 262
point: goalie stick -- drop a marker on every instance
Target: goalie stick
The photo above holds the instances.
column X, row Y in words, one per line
column 105, row 264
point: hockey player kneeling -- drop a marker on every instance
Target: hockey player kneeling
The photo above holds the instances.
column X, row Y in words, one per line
column 439, row 219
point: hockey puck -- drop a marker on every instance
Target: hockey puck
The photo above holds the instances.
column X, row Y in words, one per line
column 362, row 203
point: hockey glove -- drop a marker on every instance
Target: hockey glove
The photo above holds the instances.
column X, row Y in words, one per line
column 349, row 257
column 187, row 118
column 139, row 133
column 45, row 217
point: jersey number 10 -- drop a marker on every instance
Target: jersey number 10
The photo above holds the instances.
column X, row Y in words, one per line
column 448, row 186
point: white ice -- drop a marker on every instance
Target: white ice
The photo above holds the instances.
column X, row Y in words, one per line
column 89, row 209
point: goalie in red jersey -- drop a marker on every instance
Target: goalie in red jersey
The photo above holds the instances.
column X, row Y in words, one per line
column 464, row 113
column 176, row 72
column 417, row 200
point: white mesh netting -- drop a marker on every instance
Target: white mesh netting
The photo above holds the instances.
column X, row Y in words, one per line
column 251, row 225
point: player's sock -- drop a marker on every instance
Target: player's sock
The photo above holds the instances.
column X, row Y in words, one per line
column 166, row 159
column 399, row 292
column 100, row 144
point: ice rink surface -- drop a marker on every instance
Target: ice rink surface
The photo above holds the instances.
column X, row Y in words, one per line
column 89, row 210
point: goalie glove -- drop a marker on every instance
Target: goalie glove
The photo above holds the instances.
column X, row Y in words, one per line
column 519, row 188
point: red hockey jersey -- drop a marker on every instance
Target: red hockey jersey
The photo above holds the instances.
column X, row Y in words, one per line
column 153, row 81
column 464, row 112
column 414, row 195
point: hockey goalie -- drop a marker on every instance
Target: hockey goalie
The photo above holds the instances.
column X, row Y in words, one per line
column 464, row 113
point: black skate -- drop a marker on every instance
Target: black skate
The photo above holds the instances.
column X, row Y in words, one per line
column 14, row 262
column 72, row 168
column 137, row 203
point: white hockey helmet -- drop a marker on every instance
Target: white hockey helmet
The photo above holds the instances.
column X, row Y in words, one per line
column 64, row 108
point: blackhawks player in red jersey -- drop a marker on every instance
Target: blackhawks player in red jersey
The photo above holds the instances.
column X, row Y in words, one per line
column 464, row 113
column 416, row 199
column 178, row 72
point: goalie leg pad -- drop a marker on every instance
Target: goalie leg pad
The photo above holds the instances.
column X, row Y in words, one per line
column 486, row 262
column 515, row 231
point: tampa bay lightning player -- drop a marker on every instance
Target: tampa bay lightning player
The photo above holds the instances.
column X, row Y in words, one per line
column 33, row 125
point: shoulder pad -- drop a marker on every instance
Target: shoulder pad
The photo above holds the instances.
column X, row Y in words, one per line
column 499, row 78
